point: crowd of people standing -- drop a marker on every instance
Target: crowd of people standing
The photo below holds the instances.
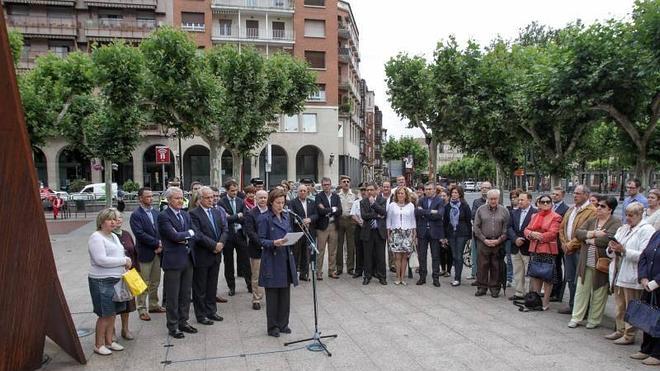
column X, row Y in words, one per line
column 584, row 247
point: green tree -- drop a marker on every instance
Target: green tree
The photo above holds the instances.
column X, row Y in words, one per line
column 397, row 149
column 410, row 92
column 469, row 167
column 254, row 90
column 16, row 45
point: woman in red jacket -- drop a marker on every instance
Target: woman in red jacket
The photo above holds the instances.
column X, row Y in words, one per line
column 542, row 233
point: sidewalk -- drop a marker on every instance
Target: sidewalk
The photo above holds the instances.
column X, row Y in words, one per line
column 379, row 327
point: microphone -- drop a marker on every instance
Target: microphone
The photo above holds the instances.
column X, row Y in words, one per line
column 287, row 210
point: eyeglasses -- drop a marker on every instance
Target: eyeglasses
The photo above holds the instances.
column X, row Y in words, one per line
column 601, row 206
column 545, row 202
column 345, row 181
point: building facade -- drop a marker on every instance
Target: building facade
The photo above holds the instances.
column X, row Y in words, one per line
column 327, row 139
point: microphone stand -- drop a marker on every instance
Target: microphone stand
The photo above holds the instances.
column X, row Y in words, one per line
column 317, row 345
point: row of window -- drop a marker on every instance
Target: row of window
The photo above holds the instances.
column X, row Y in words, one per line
column 306, row 121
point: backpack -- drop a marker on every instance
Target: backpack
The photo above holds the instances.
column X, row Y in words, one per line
column 531, row 302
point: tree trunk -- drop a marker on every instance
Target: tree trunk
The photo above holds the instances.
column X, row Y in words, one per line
column 215, row 161
column 642, row 169
column 499, row 180
column 555, row 180
column 237, row 168
column 107, row 168
column 433, row 159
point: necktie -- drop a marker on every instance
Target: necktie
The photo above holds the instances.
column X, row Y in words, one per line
column 233, row 205
column 212, row 220
column 178, row 216
column 151, row 216
column 428, row 203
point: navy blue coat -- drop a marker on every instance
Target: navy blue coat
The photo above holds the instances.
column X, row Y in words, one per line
column 515, row 230
column 251, row 230
column 174, row 236
column 427, row 221
column 206, row 238
column 325, row 213
column 274, row 267
column 649, row 262
column 146, row 234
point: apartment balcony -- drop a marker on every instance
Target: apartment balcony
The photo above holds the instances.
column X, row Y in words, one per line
column 43, row 2
column 348, row 56
column 107, row 29
column 44, row 27
column 193, row 27
column 252, row 35
column 346, row 32
column 133, row 4
column 347, row 85
column 270, row 6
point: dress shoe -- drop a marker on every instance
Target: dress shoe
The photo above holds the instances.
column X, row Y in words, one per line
column 145, row 317
column 256, row 306
column 157, row 310
column 455, row 283
column 127, row 335
column 639, row 356
column 350, row 272
column 613, row 336
column 116, row 347
column 436, row 283
column 205, row 321
column 396, row 283
column 480, row 293
column 274, row 332
column 393, row 269
column 591, row 326
column 285, row 330
column 516, row 297
column 651, row 361
column 495, row 294
column 474, row 283
column 187, row 328
column 366, row 281
column 446, row 274
column 573, row 324
column 565, row 310
column 220, row 299
column 319, row 278
column 216, row 317
column 304, row 278
column 177, row 334
column 232, row 292
column 357, row 275
column 333, row 275
column 249, row 288
column 420, row 282
column 442, row 273
column 338, row 273
column 102, row 350
column 382, row 281
column 624, row 341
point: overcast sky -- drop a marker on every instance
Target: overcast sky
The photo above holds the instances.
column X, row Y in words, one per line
column 388, row 27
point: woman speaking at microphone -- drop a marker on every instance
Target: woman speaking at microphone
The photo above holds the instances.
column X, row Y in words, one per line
column 278, row 268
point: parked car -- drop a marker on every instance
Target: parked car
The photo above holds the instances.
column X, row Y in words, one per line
column 469, row 186
column 94, row 191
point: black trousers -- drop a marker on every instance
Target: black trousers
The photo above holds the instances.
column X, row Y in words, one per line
column 278, row 303
column 374, row 256
column 446, row 258
column 422, row 252
column 301, row 255
column 204, row 287
column 650, row 345
column 177, row 286
column 359, row 251
column 559, row 284
column 242, row 261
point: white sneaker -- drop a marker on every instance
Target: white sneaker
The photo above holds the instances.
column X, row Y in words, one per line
column 102, row 350
column 455, row 283
column 572, row 324
column 116, row 346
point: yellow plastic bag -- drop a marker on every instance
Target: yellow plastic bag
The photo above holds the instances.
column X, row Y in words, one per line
column 134, row 282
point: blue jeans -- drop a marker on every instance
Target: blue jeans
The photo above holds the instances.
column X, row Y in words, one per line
column 509, row 262
column 570, row 270
column 457, row 244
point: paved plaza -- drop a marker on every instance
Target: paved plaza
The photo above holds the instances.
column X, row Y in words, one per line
column 379, row 327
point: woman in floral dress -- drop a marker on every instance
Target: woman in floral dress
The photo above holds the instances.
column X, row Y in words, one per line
column 401, row 232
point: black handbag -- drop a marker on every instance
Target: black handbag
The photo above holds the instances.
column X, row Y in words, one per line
column 542, row 270
column 531, row 302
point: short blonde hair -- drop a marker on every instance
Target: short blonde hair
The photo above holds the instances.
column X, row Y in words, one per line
column 635, row 208
column 106, row 214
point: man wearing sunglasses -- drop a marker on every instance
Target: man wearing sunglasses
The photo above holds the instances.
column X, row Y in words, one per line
column 346, row 228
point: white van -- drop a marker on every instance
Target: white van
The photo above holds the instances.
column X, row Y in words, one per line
column 94, row 191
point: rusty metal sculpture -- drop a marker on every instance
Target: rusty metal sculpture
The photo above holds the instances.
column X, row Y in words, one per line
column 32, row 303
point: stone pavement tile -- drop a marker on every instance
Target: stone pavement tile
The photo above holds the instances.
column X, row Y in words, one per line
column 318, row 363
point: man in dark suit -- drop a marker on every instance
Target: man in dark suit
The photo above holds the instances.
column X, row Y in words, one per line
column 373, row 210
column 328, row 207
column 210, row 237
column 148, row 246
column 560, row 207
column 254, row 244
column 235, row 210
column 430, row 230
column 519, row 220
column 304, row 207
column 177, row 236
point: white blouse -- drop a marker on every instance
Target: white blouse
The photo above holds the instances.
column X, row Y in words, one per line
column 401, row 217
column 106, row 255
